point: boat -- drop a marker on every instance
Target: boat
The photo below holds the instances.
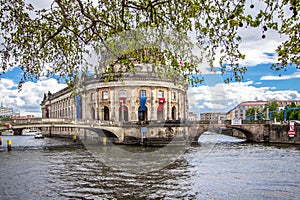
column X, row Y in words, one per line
column 33, row 132
column 8, row 132
column 38, row 136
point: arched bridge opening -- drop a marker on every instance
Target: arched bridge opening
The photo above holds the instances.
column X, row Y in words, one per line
column 103, row 133
column 248, row 134
column 113, row 134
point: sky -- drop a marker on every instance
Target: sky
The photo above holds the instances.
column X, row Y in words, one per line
column 260, row 82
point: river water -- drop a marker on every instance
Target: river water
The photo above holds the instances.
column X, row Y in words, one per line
column 222, row 167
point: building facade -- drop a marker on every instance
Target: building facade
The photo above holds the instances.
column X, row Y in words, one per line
column 283, row 103
column 239, row 112
column 139, row 96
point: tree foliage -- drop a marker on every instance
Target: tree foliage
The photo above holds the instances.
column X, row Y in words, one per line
column 273, row 105
column 59, row 38
column 293, row 114
column 251, row 111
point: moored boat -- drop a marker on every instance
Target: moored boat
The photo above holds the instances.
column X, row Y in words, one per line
column 38, row 136
column 33, row 132
column 8, row 132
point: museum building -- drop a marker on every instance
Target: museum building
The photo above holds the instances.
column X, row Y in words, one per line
column 137, row 96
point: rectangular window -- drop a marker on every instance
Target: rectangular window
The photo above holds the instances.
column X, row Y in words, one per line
column 123, row 93
column 92, row 96
column 105, row 95
column 142, row 93
column 160, row 94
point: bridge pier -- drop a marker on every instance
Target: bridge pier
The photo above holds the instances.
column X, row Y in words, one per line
column 196, row 130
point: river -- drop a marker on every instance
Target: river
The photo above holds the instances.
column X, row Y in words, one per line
column 221, row 167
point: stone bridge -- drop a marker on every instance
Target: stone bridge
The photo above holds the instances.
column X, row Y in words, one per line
column 266, row 131
column 126, row 133
column 156, row 132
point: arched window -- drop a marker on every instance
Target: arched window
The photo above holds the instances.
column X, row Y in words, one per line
column 93, row 113
column 123, row 113
column 142, row 114
column 92, row 96
column 173, row 113
column 160, row 109
column 105, row 113
column 160, row 113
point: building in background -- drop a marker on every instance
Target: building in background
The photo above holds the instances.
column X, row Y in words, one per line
column 213, row 116
column 239, row 112
column 5, row 112
column 283, row 103
column 192, row 116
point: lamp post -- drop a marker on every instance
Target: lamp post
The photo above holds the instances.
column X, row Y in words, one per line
column 267, row 114
column 255, row 113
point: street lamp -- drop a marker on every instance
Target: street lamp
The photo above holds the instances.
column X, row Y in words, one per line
column 267, row 114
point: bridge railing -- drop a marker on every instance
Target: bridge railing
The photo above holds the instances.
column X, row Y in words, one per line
column 98, row 122
column 228, row 122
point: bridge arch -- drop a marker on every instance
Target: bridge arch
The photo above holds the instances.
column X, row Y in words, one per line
column 196, row 130
column 116, row 134
column 248, row 134
column 256, row 132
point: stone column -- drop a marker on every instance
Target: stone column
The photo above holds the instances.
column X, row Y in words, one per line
column 184, row 106
column 152, row 104
column 112, row 104
column 179, row 103
column 132, row 114
column 168, row 104
column 97, row 105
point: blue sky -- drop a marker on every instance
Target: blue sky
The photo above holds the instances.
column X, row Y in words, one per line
column 260, row 82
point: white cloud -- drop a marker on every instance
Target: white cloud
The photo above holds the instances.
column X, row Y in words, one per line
column 284, row 77
column 223, row 97
column 27, row 101
column 6, row 83
column 258, row 50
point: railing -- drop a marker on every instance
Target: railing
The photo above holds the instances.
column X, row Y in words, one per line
column 98, row 122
